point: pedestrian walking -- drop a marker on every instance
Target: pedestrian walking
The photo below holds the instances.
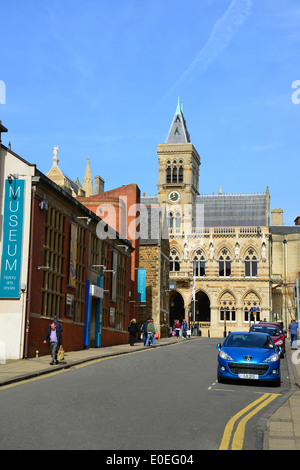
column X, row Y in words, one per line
column 177, row 327
column 294, row 330
column 57, row 322
column 55, row 339
column 184, row 329
column 133, row 329
column 151, row 329
column 144, row 330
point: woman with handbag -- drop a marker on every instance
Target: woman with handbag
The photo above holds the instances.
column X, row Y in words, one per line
column 177, row 327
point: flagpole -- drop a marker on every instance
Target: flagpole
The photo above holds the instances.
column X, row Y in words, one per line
column 194, row 289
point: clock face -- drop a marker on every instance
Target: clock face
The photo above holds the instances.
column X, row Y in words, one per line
column 174, row 197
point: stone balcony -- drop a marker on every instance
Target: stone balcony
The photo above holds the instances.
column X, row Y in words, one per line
column 193, row 232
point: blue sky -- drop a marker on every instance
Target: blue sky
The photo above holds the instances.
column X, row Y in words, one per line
column 101, row 79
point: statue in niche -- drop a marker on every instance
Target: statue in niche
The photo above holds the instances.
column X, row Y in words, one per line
column 264, row 248
column 185, row 248
column 237, row 249
column 211, row 248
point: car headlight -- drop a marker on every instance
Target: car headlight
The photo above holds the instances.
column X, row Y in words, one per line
column 273, row 358
column 279, row 343
column 225, row 356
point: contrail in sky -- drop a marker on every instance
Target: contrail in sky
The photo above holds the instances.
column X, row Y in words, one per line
column 219, row 39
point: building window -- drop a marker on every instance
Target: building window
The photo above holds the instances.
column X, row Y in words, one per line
column 227, row 308
column 177, row 220
column 169, row 172
column 174, row 261
column 106, row 286
column 174, row 171
column 174, row 174
column 53, row 260
column 250, row 264
column 224, row 265
column 170, row 220
column 230, row 314
column 95, row 252
column 80, row 276
column 180, row 175
column 251, row 308
column 121, row 287
column 252, row 315
column 199, row 265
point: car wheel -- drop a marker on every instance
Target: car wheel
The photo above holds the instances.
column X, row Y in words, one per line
column 221, row 380
column 277, row 382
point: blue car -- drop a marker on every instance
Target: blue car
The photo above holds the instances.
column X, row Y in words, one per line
column 251, row 356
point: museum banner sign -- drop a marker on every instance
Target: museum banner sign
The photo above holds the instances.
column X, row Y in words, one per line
column 12, row 239
column 142, row 285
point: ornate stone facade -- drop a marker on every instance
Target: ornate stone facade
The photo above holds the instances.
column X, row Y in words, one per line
column 221, row 258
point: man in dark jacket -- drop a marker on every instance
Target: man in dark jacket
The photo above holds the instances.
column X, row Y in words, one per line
column 133, row 329
column 55, row 339
column 144, row 330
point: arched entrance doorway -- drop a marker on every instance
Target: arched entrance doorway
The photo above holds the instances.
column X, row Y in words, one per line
column 202, row 307
column 176, row 307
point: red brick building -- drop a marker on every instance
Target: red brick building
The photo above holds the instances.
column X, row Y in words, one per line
column 66, row 270
column 64, row 238
column 119, row 208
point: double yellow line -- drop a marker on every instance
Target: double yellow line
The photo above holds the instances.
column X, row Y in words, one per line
column 238, row 437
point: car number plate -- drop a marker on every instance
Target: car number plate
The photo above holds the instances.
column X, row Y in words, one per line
column 248, row 376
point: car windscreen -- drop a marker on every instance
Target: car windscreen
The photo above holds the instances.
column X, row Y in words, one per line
column 248, row 340
column 266, row 329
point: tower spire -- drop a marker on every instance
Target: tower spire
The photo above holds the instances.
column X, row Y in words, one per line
column 88, row 180
column 178, row 132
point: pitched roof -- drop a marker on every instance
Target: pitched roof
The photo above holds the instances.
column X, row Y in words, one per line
column 234, row 210
column 178, row 132
column 228, row 210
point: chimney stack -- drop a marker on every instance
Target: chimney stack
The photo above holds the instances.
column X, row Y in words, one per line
column 277, row 216
column 99, row 184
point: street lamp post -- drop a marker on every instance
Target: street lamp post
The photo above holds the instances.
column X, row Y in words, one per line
column 284, row 241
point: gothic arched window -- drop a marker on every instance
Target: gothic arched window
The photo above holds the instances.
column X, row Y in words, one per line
column 227, row 308
column 174, row 261
column 250, row 264
column 180, row 175
column 168, row 175
column 177, row 220
column 224, row 265
column 199, row 265
column 174, row 171
column 174, row 174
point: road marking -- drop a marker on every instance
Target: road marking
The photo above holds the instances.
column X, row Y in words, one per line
column 79, row 366
column 219, row 389
column 238, row 438
column 94, row 361
column 34, row 379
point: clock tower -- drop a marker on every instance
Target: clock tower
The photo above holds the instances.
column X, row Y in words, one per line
column 178, row 175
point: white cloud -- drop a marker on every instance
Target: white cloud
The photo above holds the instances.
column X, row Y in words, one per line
column 220, row 37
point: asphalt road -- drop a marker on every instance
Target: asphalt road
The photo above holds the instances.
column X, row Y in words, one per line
column 158, row 399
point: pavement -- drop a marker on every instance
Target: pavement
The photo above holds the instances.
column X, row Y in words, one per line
column 15, row 371
column 279, row 428
column 282, row 427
